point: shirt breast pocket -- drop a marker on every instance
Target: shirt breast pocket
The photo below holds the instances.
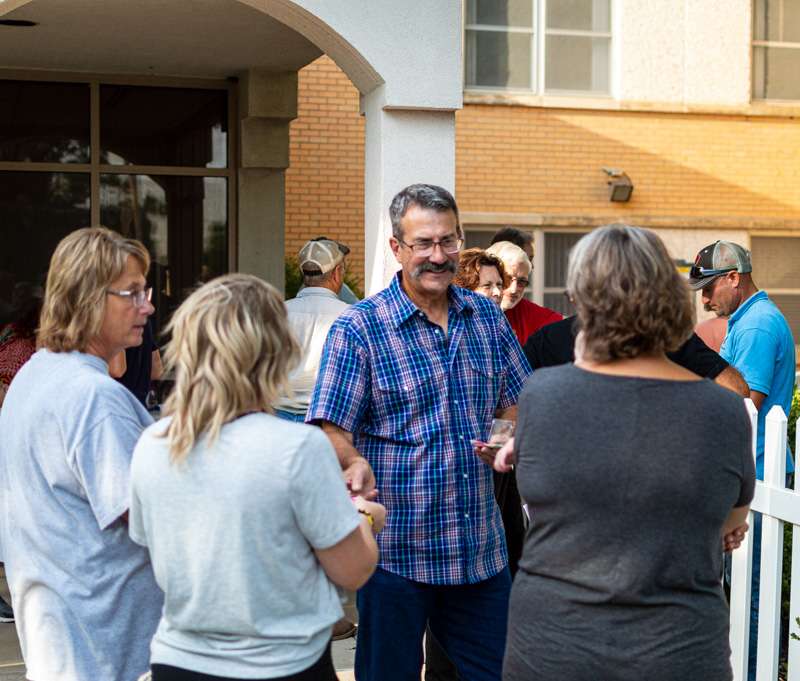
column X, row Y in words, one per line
column 407, row 406
column 484, row 385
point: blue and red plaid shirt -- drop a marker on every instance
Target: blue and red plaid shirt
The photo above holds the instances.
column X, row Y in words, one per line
column 414, row 397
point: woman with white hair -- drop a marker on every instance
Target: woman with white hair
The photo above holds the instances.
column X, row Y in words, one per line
column 246, row 516
column 84, row 595
column 524, row 316
column 634, row 469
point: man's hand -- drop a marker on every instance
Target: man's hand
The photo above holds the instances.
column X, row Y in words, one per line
column 484, row 452
column 504, row 461
column 360, row 479
column 357, row 472
column 734, row 538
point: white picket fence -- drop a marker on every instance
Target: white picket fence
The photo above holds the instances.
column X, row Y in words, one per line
column 779, row 505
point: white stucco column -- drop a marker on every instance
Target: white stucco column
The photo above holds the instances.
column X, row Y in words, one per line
column 267, row 104
column 401, row 147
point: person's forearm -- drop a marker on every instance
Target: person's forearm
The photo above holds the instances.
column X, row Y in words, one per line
column 736, row 518
column 758, row 398
column 342, row 442
column 731, row 379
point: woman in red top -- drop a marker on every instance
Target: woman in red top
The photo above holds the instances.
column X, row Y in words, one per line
column 524, row 316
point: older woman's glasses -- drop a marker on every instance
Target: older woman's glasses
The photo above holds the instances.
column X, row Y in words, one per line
column 139, row 297
column 424, row 247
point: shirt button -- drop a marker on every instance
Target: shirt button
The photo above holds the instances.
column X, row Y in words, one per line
column 466, row 515
column 465, row 476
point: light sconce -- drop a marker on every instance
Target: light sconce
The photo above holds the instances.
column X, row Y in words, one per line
column 620, row 185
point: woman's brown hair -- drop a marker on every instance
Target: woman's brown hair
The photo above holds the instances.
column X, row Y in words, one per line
column 630, row 298
column 469, row 268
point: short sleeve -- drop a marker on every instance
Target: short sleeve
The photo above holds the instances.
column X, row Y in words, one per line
column 698, row 358
column 136, row 526
column 319, row 498
column 758, row 350
column 515, row 366
column 341, row 394
column 102, row 462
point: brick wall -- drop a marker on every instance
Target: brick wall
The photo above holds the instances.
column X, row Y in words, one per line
column 325, row 179
column 514, row 159
column 529, row 160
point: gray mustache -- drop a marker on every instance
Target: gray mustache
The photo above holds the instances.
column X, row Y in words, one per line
column 448, row 266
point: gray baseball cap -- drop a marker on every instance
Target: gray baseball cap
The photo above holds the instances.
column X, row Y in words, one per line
column 717, row 259
column 321, row 255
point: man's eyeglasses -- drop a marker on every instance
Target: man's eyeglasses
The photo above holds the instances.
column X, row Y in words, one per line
column 424, row 247
column 139, row 297
column 522, row 281
column 698, row 272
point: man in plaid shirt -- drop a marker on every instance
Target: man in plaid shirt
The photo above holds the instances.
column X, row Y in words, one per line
column 408, row 378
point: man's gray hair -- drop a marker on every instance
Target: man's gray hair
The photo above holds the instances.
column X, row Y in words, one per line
column 425, row 196
column 317, row 278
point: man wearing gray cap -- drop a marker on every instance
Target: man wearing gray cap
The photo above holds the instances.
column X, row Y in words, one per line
column 759, row 344
column 311, row 315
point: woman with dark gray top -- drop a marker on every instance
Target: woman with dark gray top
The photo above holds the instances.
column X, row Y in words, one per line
column 634, row 469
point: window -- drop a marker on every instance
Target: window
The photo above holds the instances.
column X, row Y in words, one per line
column 506, row 49
column 776, row 49
column 149, row 161
column 557, row 246
column 775, row 270
column 551, row 255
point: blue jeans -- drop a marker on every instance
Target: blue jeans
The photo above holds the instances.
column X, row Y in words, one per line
column 290, row 416
column 468, row 620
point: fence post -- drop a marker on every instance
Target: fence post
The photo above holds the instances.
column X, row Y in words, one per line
column 741, row 576
column 769, row 602
column 794, row 598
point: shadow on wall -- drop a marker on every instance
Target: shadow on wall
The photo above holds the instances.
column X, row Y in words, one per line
column 528, row 160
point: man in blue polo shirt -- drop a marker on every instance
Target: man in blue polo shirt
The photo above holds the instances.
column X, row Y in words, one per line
column 759, row 344
column 408, row 378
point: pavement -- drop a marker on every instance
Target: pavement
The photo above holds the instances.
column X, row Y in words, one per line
column 12, row 668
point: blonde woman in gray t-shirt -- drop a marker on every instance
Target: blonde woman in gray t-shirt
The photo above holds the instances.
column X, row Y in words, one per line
column 247, row 518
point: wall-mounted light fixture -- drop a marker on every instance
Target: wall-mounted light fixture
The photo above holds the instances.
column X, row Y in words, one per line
column 620, row 185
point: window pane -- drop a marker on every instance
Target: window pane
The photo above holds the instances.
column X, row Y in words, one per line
column 37, row 210
column 556, row 254
column 775, row 72
column 518, row 13
column 579, row 15
column 163, row 126
column 183, row 222
column 775, row 261
column 496, row 59
column 577, row 63
column 477, row 238
column 46, row 122
column 776, row 20
column 790, row 306
column 559, row 303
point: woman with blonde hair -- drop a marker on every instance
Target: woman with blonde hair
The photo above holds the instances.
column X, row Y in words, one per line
column 634, row 469
column 246, row 516
column 84, row 596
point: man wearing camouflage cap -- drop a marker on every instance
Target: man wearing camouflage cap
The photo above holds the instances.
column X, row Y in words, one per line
column 759, row 344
